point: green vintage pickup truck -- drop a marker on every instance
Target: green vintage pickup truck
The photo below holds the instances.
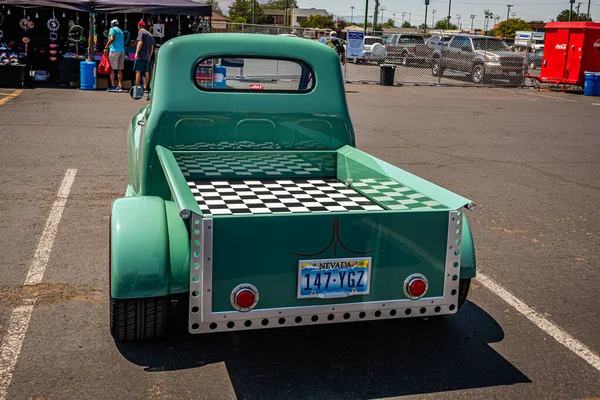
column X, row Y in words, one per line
column 248, row 204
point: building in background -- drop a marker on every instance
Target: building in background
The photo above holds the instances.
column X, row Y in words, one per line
column 295, row 15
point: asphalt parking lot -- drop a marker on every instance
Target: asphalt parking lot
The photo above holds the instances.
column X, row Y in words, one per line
column 530, row 160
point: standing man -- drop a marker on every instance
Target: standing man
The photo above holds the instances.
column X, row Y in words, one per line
column 338, row 45
column 115, row 47
column 143, row 53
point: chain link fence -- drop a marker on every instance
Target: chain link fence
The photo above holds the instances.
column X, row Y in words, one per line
column 439, row 59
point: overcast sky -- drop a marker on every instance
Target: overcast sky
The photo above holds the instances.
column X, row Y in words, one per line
column 530, row 10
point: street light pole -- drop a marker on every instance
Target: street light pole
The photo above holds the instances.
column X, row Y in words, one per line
column 472, row 20
column 433, row 21
column 352, row 14
column 449, row 11
column 382, row 10
column 588, row 13
column 375, row 16
column 458, row 17
column 578, row 5
column 426, row 6
column 366, row 15
column 507, row 15
column 571, row 9
column 403, row 15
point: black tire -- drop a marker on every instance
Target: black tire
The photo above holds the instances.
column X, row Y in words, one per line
column 478, row 74
column 436, row 68
column 138, row 319
column 463, row 291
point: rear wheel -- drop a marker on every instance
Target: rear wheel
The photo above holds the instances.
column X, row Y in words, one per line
column 137, row 319
column 477, row 74
column 463, row 290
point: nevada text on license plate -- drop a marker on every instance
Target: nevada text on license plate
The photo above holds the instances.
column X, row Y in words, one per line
column 331, row 278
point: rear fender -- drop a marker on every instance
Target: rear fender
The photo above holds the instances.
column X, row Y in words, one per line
column 139, row 248
column 468, row 263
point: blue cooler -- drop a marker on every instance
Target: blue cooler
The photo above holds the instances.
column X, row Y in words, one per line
column 87, row 71
column 591, row 86
column 220, row 77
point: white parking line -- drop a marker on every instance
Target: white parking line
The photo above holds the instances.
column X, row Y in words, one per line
column 19, row 319
column 550, row 328
column 552, row 97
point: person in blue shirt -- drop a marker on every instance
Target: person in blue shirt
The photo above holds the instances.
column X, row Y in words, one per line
column 115, row 47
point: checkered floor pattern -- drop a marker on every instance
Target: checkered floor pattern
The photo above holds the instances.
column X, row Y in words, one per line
column 396, row 196
column 263, row 165
column 227, row 197
column 247, row 145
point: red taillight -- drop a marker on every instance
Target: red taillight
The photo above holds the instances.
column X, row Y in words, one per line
column 414, row 48
column 245, row 298
column 417, row 287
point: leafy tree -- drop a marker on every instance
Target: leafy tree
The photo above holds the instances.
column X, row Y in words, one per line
column 240, row 20
column 443, row 24
column 515, row 24
column 243, row 8
column 280, row 4
column 318, row 21
column 389, row 24
column 423, row 26
column 215, row 6
column 340, row 24
column 564, row 16
column 406, row 24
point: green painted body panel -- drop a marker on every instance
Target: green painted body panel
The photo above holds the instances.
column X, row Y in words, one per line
column 150, row 243
column 259, row 251
column 139, row 259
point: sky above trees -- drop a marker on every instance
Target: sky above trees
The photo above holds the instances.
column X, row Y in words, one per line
column 529, row 10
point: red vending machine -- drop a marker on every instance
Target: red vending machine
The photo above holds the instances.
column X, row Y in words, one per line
column 570, row 49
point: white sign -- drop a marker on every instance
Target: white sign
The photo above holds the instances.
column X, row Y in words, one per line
column 356, row 41
column 159, row 30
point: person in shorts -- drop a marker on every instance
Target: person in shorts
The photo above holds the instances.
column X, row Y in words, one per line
column 115, row 47
column 143, row 53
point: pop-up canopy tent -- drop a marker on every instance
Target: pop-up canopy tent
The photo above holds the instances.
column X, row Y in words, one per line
column 181, row 7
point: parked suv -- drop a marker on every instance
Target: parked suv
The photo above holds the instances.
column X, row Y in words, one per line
column 406, row 48
column 373, row 50
column 481, row 57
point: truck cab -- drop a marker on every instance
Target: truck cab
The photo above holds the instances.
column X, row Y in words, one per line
column 249, row 206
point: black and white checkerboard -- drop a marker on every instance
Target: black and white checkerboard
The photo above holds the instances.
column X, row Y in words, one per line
column 227, row 197
column 396, row 196
column 255, row 165
column 247, row 145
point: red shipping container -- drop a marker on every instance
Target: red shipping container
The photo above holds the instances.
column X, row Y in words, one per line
column 570, row 50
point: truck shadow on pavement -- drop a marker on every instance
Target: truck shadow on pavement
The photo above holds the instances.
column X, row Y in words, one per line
column 353, row 361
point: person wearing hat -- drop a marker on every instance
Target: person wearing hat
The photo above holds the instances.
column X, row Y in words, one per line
column 143, row 53
column 115, row 47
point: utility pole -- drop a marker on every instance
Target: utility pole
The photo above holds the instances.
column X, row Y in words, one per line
column 507, row 15
column 458, row 17
column 366, row 15
column 588, row 13
column 426, row 6
column 449, row 12
column 433, row 12
column 472, row 20
column 375, row 16
column 486, row 23
column 577, row 16
column 382, row 10
column 394, row 15
column 409, row 17
column 352, row 14
column 403, row 15
column 571, row 9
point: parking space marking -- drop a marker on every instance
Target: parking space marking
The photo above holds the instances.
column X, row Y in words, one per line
column 19, row 319
column 552, row 97
column 541, row 322
column 10, row 96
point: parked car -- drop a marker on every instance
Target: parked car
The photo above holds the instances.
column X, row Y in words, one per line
column 534, row 61
column 481, row 57
column 434, row 43
column 373, row 50
column 249, row 206
column 406, row 49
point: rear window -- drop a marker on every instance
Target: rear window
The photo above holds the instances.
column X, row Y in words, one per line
column 249, row 74
column 370, row 41
column 411, row 39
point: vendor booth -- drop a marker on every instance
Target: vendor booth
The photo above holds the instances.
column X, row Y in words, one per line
column 44, row 41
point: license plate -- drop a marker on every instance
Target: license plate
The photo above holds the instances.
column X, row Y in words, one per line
column 332, row 278
column 512, row 73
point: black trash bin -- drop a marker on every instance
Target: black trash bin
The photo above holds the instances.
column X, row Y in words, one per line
column 386, row 78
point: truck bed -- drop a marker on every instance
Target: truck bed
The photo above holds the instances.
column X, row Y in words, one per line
column 230, row 184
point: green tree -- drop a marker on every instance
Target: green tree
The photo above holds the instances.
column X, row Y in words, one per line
column 443, row 24
column 423, row 26
column 340, row 24
column 406, row 24
column 280, row 4
column 389, row 24
column 318, row 21
column 239, row 20
column 564, row 16
column 214, row 5
column 515, row 24
column 243, row 8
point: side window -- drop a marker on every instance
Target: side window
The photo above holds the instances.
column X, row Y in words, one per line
column 391, row 39
column 457, row 42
